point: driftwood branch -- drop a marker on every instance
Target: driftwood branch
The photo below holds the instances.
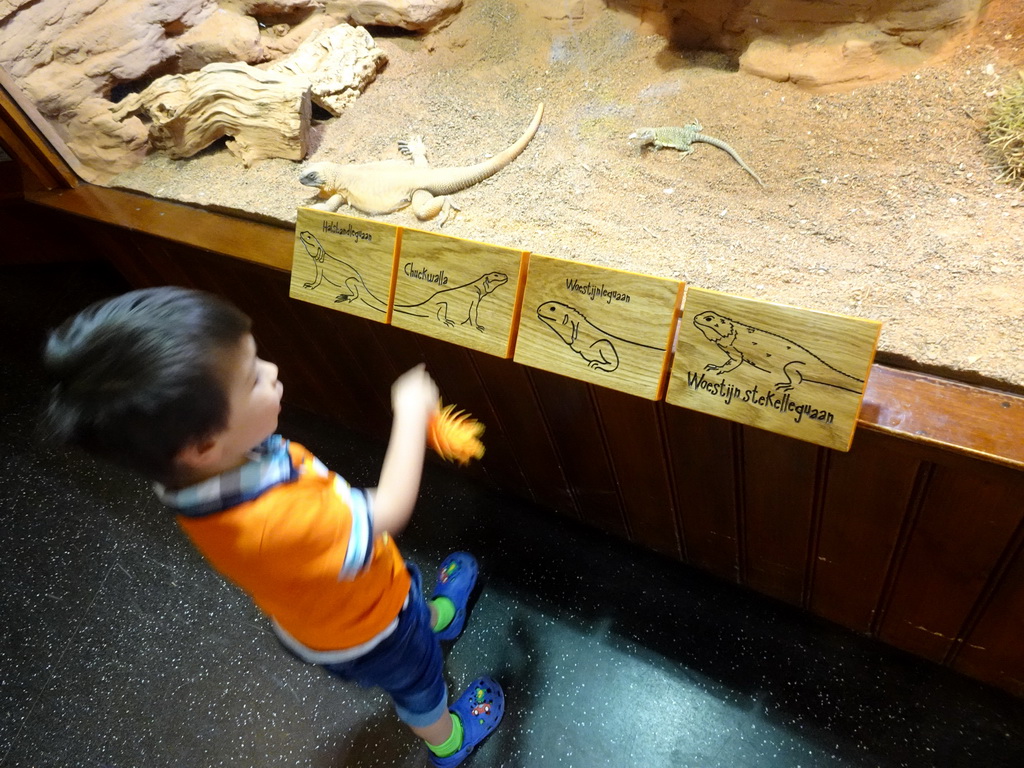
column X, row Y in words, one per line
column 267, row 114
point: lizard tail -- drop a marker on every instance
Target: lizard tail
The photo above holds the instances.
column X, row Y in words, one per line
column 448, row 180
column 732, row 153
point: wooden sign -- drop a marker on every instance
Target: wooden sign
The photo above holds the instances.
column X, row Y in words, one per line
column 460, row 291
column 344, row 263
column 793, row 371
column 605, row 326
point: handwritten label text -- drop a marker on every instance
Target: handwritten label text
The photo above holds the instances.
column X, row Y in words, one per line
column 348, row 231
column 783, row 403
column 595, row 291
column 440, row 278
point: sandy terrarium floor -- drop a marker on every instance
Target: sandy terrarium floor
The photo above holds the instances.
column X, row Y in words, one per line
column 880, row 202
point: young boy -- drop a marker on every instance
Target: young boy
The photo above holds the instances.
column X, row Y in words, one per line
column 167, row 381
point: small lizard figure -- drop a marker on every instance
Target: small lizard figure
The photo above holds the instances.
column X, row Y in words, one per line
column 683, row 138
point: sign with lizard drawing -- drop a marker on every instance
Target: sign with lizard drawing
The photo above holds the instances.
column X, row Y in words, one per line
column 463, row 292
column 792, row 371
column 344, row 263
column 604, row 326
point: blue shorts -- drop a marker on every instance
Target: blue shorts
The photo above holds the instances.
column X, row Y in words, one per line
column 407, row 664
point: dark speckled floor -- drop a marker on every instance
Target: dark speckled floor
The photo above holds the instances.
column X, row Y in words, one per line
column 120, row 648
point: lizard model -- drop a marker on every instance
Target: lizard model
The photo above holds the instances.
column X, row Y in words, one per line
column 683, row 138
column 390, row 185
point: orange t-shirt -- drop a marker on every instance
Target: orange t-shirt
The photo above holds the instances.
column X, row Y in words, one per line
column 287, row 548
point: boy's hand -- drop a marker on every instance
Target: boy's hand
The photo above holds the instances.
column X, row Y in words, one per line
column 415, row 393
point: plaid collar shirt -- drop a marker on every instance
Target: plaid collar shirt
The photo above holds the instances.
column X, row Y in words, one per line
column 269, row 464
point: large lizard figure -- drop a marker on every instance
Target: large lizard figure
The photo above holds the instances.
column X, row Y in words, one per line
column 355, row 288
column 771, row 353
column 386, row 186
column 458, row 301
column 683, row 138
column 595, row 345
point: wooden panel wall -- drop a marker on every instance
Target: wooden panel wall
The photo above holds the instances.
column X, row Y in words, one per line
column 920, row 547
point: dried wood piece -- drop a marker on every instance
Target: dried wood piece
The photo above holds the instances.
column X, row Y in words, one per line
column 267, row 114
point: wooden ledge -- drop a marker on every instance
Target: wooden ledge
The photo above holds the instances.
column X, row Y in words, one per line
column 975, row 421
column 233, row 236
column 922, row 408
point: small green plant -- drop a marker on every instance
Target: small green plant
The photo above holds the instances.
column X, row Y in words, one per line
column 1006, row 132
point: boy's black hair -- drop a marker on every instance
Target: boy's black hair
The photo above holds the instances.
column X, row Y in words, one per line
column 136, row 378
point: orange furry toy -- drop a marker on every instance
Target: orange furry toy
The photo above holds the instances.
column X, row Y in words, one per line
column 455, row 435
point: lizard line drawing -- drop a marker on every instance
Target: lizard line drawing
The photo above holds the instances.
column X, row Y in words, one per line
column 458, row 301
column 668, row 137
column 771, row 353
column 593, row 344
column 352, row 283
column 386, row 186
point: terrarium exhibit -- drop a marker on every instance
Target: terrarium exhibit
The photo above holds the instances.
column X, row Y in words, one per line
column 862, row 157
column 736, row 283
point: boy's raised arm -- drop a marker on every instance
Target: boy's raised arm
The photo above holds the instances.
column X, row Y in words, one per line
column 414, row 398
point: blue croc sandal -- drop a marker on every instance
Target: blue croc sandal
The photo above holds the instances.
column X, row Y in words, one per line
column 456, row 579
column 480, row 709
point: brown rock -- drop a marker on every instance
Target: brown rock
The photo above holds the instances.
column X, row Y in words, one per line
column 8, row 7
column 820, row 44
column 339, row 63
column 105, row 145
column 63, row 53
column 281, row 39
column 69, row 57
column 222, row 36
column 417, row 15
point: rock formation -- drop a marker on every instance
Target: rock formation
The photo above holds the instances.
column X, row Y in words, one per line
column 339, row 63
column 222, row 36
column 75, row 60
column 821, row 44
column 419, row 15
